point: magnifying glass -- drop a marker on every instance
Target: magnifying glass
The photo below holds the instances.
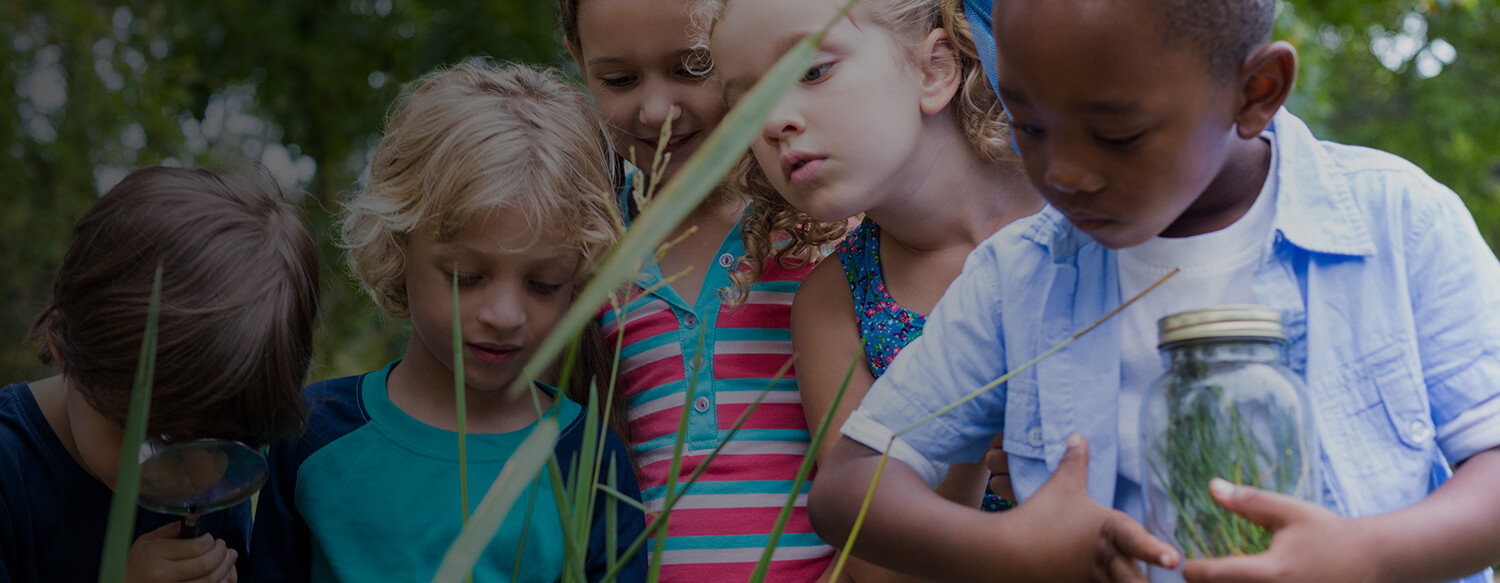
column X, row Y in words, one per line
column 193, row 478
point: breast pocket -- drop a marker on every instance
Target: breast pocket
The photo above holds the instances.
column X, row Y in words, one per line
column 1377, row 429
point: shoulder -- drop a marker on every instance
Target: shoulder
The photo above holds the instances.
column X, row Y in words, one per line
column 826, row 288
column 334, row 410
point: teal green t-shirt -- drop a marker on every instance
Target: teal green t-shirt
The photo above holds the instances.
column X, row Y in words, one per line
column 376, row 494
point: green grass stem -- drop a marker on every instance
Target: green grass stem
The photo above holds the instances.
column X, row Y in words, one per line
column 120, row 532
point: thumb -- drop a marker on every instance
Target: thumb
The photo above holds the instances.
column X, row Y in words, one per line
column 1271, row 510
column 1074, row 467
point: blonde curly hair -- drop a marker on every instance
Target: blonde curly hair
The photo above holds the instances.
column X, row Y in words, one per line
column 979, row 114
column 471, row 139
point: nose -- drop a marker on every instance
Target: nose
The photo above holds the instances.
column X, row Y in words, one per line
column 658, row 108
column 784, row 121
column 1068, row 175
column 505, row 309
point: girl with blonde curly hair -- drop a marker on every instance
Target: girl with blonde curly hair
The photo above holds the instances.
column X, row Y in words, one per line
column 896, row 121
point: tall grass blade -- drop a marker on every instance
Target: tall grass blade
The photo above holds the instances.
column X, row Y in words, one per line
column 519, row 472
column 807, row 464
column 680, row 196
column 463, row 414
column 119, row 533
column 864, row 508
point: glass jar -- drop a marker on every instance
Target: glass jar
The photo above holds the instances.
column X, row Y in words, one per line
column 1228, row 407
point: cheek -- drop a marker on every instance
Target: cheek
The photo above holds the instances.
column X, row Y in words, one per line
column 704, row 103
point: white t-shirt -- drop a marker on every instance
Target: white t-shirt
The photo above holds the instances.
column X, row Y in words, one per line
column 1216, row 269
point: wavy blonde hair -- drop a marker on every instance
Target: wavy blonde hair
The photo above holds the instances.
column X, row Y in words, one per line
column 471, row 139
column 978, row 113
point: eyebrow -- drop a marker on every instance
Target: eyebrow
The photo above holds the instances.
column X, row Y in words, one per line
column 1107, row 107
column 782, row 44
column 614, row 60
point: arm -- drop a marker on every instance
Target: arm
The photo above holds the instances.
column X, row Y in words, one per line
column 826, row 339
column 280, row 542
column 1059, row 534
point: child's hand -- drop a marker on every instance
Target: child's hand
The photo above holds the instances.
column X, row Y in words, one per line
column 998, row 463
column 1081, row 538
column 1308, row 542
column 160, row 557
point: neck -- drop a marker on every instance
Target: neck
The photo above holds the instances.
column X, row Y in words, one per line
column 956, row 197
column 1230, row 195
column 427, row 393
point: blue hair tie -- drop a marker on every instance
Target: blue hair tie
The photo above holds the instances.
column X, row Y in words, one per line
column 981, row 29
column 978, row 13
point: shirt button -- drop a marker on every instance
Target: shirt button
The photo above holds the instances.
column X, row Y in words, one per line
column 726, row 260
column 1420, row 432
column 700, row 404
column 690, row 321
column 1035, row 437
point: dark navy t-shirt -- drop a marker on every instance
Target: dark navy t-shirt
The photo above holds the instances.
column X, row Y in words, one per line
column 53, row 512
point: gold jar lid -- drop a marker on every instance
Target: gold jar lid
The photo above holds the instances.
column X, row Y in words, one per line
column 1232, row 321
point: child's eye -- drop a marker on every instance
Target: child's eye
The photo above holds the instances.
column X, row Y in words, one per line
column 1120, row 142
column 621, row 81
column 462, row 279
column 1029, row 129
column 546, row 288
column 816, row 73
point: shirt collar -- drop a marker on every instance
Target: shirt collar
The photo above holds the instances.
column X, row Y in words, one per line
column 1314, row 210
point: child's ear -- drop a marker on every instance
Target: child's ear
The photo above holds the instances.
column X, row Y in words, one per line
column 942, row 71
column 1265, row 82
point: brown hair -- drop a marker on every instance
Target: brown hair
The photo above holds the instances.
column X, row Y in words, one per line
column 238, row 304
column 978, row 113
column 470, row 139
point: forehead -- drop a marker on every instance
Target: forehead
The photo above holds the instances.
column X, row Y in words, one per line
column 634, row 29
column 1088, row 52
column 751, row 35
column 503, row 232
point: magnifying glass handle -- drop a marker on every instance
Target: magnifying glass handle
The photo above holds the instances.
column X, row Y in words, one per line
column 189, row 527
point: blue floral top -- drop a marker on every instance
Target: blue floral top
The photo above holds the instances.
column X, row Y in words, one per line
column 885, row 326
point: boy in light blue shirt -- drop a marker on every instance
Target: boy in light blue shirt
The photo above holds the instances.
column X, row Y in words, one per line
column 1155, row 130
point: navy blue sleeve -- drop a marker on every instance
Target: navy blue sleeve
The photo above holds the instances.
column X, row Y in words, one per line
column 8, row 540
column 280, row 542
column 629, row 521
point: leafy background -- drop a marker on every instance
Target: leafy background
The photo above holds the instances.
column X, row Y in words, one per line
column 302, row 87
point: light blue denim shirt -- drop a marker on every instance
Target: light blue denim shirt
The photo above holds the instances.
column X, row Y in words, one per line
column 1392, row 309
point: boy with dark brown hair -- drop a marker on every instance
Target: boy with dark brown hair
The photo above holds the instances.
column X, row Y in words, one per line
column 238, row 304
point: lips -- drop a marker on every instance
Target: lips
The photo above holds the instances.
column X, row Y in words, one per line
column 674, row 143
column 800, row 167
column 1085, row 221
column 492, row 354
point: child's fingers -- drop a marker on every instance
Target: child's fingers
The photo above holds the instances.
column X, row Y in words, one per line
column 168, row 530
column 1123, row 570
column 1074, row 467
column 1271, row 510
column 222, row 571
column 1131, row 541
column 1242, row 569
column 201, row 568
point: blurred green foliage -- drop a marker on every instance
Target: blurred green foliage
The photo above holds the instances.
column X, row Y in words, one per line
column 303, row 87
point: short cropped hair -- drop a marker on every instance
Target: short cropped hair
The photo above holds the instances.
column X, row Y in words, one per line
column 1225, row 31
column 468, row 140
column 239, row 302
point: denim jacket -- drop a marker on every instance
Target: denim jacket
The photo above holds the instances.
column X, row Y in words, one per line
column 1391, row 304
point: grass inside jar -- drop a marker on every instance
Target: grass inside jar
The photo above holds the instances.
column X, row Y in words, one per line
column 1207, row 439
